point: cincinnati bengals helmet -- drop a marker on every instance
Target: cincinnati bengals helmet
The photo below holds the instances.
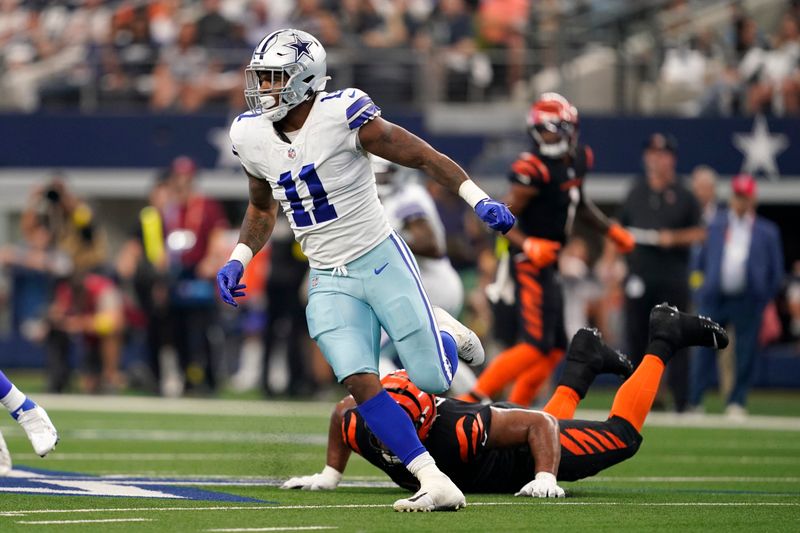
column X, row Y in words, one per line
column 553, row 113
column 419, row 405
column 292, row 59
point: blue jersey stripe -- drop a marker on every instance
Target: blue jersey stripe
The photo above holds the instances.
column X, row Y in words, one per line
column 369, row 113
column 357, row 106
column 405, row 253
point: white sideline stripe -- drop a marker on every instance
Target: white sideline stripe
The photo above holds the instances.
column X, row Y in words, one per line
column 194, row 406
column 182, row 406
column 702, row 479
column 525, row 501
column 98, row 521
column 164, row 435
column 287, row 528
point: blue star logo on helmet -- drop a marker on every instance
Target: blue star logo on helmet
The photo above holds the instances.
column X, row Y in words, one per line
column 301, row 48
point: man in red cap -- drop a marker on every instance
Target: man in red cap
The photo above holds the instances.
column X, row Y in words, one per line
column 741, row 264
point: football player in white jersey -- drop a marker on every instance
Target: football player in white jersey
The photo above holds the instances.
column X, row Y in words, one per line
column 306, row 149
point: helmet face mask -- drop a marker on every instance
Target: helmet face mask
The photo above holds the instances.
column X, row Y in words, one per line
column 553, row 125
column 294, row 64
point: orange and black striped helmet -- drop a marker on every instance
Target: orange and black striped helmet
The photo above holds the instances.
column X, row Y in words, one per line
column 419, row 405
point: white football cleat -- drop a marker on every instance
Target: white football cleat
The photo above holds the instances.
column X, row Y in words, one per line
column 470, row 349
column 40, row 430
column 438, row 495
column 5, row 458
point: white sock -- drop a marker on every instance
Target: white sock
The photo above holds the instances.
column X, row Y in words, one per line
column 13, row 400
column 423, row 466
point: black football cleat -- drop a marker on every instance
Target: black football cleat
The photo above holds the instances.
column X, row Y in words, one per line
column 681, row 330
column 587, row 347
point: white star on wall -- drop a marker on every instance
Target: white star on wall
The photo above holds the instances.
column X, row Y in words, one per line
column 218, row 137
column 761, row 148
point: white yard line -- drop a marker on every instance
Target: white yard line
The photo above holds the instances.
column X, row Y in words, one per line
column 98, row 521
column 287, row 528
column 25, row 512
column 264, row 408
column 699, row 479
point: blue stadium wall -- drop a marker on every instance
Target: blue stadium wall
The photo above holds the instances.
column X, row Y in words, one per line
column 139, row 141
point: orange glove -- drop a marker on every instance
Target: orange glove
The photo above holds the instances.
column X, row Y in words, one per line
column 622, row 238
column 541, row 252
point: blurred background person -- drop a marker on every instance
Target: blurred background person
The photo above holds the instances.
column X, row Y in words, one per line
column 142, row 268
column 742, row 267
column 191, row 220
column 286, row 326
column 87, row 309
column 664, row 216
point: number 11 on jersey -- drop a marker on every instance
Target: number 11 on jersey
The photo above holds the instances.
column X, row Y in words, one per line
column 322, row 210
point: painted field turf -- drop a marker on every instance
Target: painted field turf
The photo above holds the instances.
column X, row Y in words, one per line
column 234, row 453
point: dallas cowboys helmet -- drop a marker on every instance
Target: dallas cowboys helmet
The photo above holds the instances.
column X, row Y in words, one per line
column 291, row 59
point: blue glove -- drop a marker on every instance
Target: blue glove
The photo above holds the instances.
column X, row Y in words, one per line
column 496, row 214
column 228, row 282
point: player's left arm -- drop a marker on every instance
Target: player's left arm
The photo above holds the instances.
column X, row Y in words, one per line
column 539, row 431
column 336, row 457
column 392, row 142
column 593, row 216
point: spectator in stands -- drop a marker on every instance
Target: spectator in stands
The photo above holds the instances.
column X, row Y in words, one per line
column 742, row 267
column 777, row 78
column 89, row 308
column 310, row 16
column 665, row 219
column 213, row 29
column 450, row 35
column 181, row 71
column 190, row 220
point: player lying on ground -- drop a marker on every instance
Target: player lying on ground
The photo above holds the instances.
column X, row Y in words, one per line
column 31, row 417
column 499, row 448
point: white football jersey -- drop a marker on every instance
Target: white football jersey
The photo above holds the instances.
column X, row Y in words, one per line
column 322, row 179
column 441, row 281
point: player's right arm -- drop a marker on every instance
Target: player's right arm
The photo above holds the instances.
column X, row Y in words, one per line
column 400, row 146
column 336, row 458
column 259, row 221
column 539, row 431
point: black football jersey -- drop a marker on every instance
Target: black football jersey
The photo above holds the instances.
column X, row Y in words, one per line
column 559, row 183
column 457, row 442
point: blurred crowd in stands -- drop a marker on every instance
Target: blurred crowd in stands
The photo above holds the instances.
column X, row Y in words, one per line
column 148, row 305
column 185, row 55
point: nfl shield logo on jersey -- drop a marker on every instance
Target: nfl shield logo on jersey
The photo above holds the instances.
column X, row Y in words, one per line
column 291, row 153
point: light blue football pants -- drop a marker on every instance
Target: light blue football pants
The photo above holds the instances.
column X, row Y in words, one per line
column 382, row 288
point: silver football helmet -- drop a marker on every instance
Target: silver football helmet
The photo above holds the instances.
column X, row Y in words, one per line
column 294, row 63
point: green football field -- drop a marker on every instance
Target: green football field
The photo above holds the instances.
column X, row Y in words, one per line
column 214, row 465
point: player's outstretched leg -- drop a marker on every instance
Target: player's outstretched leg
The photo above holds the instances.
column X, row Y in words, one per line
column 31, row 417
column 470, row 349
column 5, row 457
column 670, row 330
column 393, row 427
column 587, row 357
column 680, row 330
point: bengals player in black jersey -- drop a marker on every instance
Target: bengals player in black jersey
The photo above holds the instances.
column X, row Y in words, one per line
column 503, row 448
column 546, row 195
